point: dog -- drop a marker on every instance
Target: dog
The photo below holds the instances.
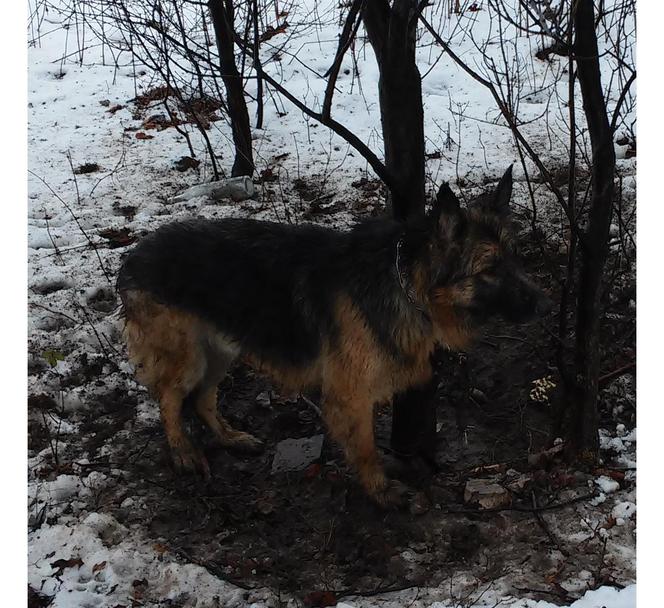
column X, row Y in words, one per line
column 356, row 314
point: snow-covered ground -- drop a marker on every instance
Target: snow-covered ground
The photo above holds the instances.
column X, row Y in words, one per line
column 77, row 553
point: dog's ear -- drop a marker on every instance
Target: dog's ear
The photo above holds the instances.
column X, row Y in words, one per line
column 446, row 200
column 446, row 213
column 500, row 199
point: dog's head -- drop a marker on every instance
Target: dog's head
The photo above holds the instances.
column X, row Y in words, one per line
column 479, row 274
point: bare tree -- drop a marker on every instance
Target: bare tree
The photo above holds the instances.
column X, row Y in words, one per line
column 580, row 418
column 392, row 32
column 223, row 18
column 569, row 30
column 179, row 49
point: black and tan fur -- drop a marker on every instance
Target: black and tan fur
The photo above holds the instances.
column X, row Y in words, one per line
column 355, row 313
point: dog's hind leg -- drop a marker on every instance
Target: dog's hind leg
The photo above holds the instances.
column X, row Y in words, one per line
column 226, row 435
column 164, row 345
column 206, row 406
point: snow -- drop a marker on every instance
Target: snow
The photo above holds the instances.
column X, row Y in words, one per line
column 114, row 559
column 604, row 597
column 623, row 511
column 606, row 484
column 66, row 276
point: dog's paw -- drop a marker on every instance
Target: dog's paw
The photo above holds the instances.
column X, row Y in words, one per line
column 190, row 460
column 245, row 443
column 393, row 496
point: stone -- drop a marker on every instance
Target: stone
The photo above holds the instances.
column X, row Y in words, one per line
column 296, row 454
column 486, row 494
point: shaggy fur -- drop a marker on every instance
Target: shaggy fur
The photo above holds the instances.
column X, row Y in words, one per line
column 356, row 313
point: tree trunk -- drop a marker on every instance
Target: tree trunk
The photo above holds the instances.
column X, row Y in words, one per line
column 580, row 420
column 391, row 32
column 414, row 422
column 222, row 19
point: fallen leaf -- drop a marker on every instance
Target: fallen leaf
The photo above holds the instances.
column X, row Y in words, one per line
column 270, row 32
column 159, row 548
column 140, row 586
column 141, row 135
column 187, row 162
column 313, row 470
column 618, row 476
column 490, row 469
column 86, row 168
column 62, row 564
column 52, row 357
column 320, row 599
column 99, row 566
column 267, row 175
column 118, row 237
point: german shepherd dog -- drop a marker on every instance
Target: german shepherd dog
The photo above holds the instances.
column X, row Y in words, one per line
column 356, row 314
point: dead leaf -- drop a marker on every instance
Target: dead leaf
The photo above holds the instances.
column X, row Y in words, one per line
column 159, row 93
column 141, row 135
column 139, row 586
column 99, row 566
column 187, row 162
column 486, row 494
column 118, row 237
column 320, row 599
column 267, row 175
column 313, row 470
column 159, row 548
column 332, row 476
column 489, row 469
column 541, row 459
column 270, row 32
column 86, row 168
column 563, row 479
column 614, row 474
column 62, row 564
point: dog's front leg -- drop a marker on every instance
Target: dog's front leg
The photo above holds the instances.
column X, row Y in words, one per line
column 349, row 421
column 185, row 456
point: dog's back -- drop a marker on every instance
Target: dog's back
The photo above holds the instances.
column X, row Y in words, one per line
column 257, row 282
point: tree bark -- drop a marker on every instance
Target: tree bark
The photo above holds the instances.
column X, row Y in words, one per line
column 580, row 421
column 414, row 422
column 221, row 12
column 391, row 32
